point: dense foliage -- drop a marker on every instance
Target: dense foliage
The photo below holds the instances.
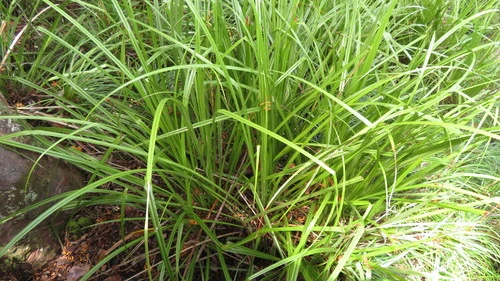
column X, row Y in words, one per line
column 273, row 140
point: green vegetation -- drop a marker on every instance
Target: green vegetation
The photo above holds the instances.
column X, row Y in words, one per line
column 274, row 140
column 78, row 226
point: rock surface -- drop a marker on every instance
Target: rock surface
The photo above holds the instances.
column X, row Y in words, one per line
column 24, row 181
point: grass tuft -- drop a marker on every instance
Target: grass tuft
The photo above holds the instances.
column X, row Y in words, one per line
column 327, row 140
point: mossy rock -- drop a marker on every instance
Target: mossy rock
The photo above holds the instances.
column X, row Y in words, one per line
column 25, row 179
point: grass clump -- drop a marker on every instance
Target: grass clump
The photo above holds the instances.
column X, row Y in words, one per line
column 327, row 140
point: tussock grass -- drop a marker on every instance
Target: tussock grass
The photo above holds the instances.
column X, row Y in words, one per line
column 327, row 140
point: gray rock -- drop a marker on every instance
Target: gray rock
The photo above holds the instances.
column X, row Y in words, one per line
column 23, row 182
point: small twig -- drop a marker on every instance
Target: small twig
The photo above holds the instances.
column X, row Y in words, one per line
column 122, row 241
column 2, row 27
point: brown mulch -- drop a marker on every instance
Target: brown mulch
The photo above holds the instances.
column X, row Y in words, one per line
column 80, row 254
